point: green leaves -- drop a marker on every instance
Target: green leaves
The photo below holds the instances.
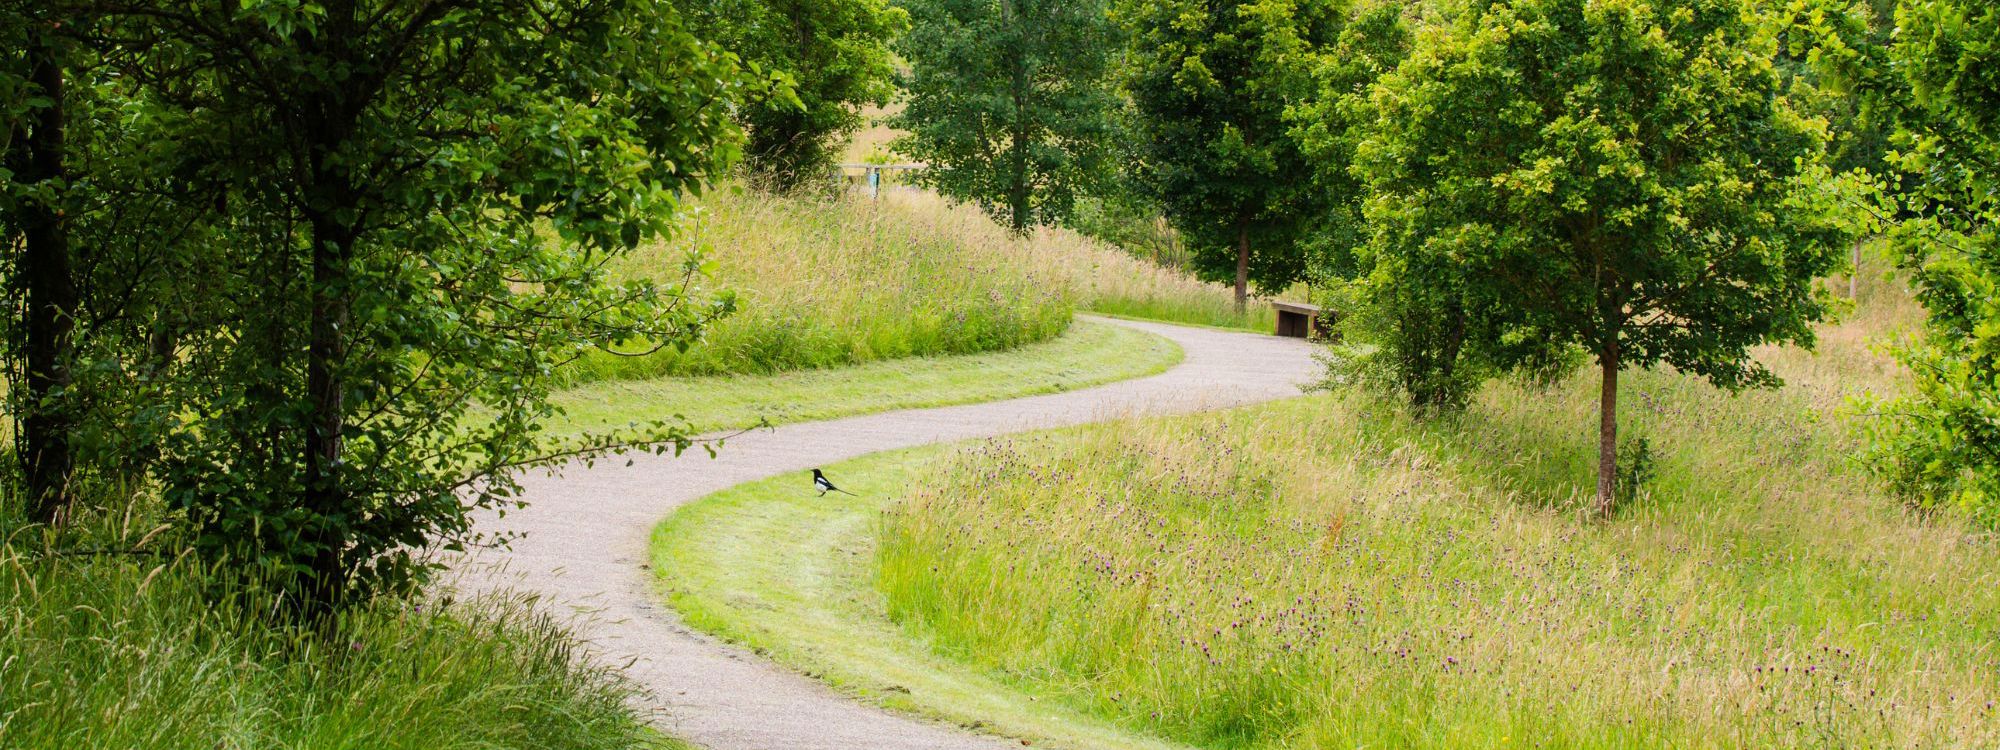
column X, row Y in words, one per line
column 823, row 60
column 1210, row 86
column 1009, row 103
column 1620, row 178
column 387, row 227
column 1934, row 86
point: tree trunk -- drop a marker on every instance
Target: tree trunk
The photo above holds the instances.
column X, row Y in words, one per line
column 1854, row 275
column 1242, row 267
column 50, row 297
column 1017, row 190
column 326, row 356
column 1607, row 433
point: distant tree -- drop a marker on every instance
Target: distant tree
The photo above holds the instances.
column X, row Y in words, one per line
column 1330, row 121
column 1009, row 102
column 419, row 201
column 1611, row 175
column 1209, row 84
column 834, row 55
column 1936, row 87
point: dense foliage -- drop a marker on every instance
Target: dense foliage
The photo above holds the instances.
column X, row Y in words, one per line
column 1209, row 85
column 1009, row 103
column 833, row 57
column 1330, row 122
column 377, row 216
column 1936, row 85
column 1616, row 177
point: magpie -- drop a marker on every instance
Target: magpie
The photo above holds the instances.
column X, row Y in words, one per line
column 820, row 483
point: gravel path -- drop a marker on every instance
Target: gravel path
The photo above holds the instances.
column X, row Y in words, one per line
column 587, row 533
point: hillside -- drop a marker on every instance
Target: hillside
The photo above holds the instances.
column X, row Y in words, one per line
column 832, row 282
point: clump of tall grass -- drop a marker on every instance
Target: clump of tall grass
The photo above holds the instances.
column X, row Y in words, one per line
column 140, row 652
column 1102, row 277
column 831, row 282
column 1328, row 573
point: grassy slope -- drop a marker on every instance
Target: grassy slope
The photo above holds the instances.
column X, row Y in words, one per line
column 1090, row 353
column 1100, row 277
column 832, row 283
column 1395, row 583
column 1390, row 583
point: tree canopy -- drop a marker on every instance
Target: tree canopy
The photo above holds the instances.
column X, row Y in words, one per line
column 404, row 211
column 1008, row 102
column 1209, row 85
column 1612, row 176
column 1936, row 87
column 833, row 57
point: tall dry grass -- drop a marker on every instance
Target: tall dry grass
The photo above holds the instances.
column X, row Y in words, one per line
column 826, row 282
column 1102, row 278
column 823, row 283
column 1328, row 573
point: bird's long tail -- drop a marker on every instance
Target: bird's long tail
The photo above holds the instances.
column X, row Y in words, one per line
column 845, row 492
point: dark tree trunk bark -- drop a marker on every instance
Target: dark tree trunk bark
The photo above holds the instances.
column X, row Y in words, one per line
column 1607, row 433
column 50, row 296
column 332, row 213
column 1017, row 192
column 1242, row 267
column 326, row 356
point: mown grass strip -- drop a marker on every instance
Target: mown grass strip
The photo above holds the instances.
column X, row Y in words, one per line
column 1090, row 353
column 773, row 567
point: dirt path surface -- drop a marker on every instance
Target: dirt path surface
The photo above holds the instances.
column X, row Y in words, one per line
column 586, row 532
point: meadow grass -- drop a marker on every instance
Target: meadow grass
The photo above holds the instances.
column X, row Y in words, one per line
column 1089, row 353
column 142, row 652
column 1103, row 278
column 834, row 282
column 825, row 282
column 1328, row 572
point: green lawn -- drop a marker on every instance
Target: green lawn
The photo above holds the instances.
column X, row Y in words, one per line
column 1090, row 353
column 788, row 575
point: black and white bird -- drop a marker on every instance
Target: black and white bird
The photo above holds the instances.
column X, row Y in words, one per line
column 820, row 483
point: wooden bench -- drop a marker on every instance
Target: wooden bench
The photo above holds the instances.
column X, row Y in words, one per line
column 1300, row 320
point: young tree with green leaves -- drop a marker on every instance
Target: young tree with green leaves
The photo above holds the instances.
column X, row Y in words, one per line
column 834, row 57
column 1936, row 87
column 1616, row 176
column 420, row 200
column 1210, row 83
column 1009, row 102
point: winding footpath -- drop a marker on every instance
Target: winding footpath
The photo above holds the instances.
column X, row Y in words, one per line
column 585, row 535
